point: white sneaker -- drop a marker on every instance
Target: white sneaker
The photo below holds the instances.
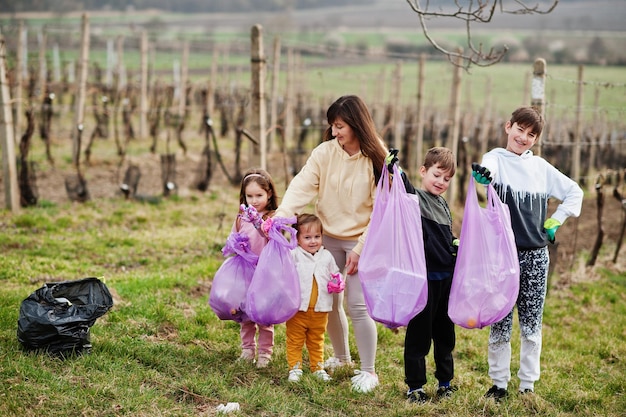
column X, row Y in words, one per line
column 364, row 381
column 333, row 363
column 247, row 355
column 321, row 374
column 263, row 360
column 295, row 375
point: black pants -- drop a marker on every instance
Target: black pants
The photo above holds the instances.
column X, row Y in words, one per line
column 433, row 324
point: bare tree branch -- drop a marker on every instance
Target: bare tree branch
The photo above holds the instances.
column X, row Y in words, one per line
column 473, row 12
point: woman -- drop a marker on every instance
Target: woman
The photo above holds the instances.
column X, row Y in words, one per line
column 341, row 175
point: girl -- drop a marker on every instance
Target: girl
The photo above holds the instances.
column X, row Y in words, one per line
column 257, row 191
column 316, row 269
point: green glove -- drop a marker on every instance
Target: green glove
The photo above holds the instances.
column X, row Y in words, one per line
column 481, row 174
column 551, row 225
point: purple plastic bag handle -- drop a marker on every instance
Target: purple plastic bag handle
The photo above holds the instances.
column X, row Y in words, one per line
column 238, row 243
column 283, row 224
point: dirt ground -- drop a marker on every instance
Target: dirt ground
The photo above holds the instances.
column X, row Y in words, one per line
column 576, row 236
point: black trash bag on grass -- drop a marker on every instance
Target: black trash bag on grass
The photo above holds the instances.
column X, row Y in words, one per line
column 57, row 317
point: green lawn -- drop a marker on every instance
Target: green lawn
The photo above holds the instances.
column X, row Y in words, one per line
column 162, row 351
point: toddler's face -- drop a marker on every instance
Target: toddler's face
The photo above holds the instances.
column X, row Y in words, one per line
column 310, row 238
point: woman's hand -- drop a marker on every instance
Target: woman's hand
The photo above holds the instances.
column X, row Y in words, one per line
column 352, row 263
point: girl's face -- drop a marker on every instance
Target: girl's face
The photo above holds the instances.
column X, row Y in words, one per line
column 310, row 238
column 435, row 180
column 256, row 196
column 345, row 136
column 519, row 139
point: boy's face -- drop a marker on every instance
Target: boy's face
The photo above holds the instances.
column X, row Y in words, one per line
column 519, row 139
column 435, row 180
column 310, row 238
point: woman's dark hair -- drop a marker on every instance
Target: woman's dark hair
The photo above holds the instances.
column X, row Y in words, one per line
column 353, row 111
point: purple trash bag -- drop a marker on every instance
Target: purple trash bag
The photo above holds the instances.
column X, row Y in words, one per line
column 392, row 267
column 486, row 277
column 274, row 293
column 231, row 281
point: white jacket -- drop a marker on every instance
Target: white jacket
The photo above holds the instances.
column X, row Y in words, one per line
column 320, row 265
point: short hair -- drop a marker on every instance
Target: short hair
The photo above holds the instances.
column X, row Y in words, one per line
column 308, row 219
column 442, row 156
column 528, row 117
column 264, row 179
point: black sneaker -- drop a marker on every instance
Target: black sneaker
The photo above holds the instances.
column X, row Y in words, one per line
column 444, row 392
column 496, row 393
column 526, row 391
column 417, row 396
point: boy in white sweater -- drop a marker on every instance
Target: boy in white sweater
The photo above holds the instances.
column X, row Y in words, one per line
column 524, row 183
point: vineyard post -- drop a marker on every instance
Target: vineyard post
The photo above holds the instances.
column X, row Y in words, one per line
column 594, row 134
column 396, row 106
column 485, row 123
column 420, row 116
column 182, row 88
column 289, row 105
column 274, row 97
column 538, row 92
column 43, row 70
column 9, row 169
column 259, row 108
column 19, row 81
column 454, row 116
column 143, row 96
column 210, row 96
column 379, row 100
column 579, row 127
column 83, row 66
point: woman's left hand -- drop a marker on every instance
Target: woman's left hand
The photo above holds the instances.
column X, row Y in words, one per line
column 352, row 263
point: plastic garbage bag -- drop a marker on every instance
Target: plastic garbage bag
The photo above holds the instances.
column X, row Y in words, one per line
column 57, row 317
column 274, row 293
column 231, row 281
column 392, row 266
column 486, row 276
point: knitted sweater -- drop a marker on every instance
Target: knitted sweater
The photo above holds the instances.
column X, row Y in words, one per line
column 319, row 266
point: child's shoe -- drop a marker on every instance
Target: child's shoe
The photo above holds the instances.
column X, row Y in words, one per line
column 247, row 355
column 445, row 391
column 496, row 393
column 322, row 375
column 417, row 396
column 333, row 363
column 263, row 360
column 294, row 375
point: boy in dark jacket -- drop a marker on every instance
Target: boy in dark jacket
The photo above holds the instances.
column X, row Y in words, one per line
column 433, row 323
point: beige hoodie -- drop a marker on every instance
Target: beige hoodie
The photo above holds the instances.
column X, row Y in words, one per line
column 344, row 188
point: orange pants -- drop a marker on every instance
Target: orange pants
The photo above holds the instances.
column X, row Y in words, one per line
column 306, row 327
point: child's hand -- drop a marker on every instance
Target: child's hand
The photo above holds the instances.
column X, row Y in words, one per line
column 336, row 284
column 266, row 225
column 481, row 174
column 391, row 159
column 551, row 225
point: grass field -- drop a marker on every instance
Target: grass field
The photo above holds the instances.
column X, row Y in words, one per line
column 162, row 351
